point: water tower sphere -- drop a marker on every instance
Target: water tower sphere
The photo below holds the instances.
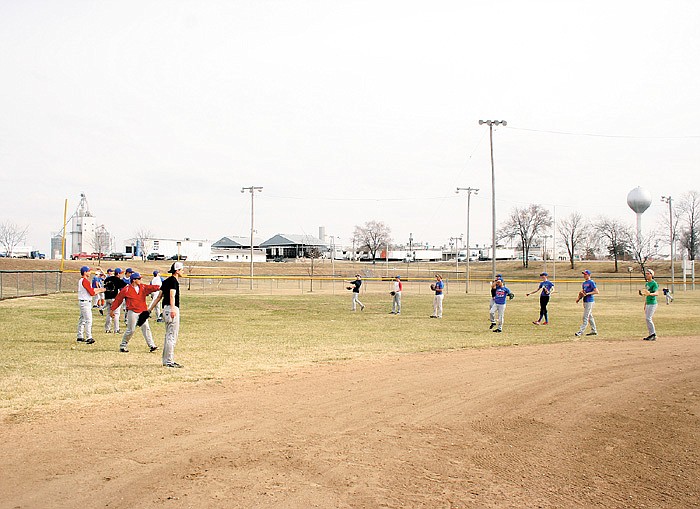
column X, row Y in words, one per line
column 639, row 199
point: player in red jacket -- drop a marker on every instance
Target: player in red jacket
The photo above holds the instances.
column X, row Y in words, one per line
column 134, row 294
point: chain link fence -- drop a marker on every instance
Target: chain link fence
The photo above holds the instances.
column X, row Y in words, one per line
column 26, row 283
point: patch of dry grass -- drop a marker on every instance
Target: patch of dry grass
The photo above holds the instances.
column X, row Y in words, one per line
column 228, row 336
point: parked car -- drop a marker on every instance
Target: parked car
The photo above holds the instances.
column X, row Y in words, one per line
column 155, row 256
column 182, row 258
column 81, row 256
column 36, row 255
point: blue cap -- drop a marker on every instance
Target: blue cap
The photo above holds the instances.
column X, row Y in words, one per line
column 117, row 271
column 84, row 269
column 397, row 277
column 586, row 272
column 499, row 276
column 129, row 269
column 135, row 275
column 544, row 274
column 155, row 272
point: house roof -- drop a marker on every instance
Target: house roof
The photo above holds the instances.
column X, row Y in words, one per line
column 235, row 241
column 287, row 239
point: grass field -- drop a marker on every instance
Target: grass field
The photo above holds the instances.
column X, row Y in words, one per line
column 230, row 336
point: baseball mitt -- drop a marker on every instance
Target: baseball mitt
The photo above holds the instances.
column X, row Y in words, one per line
column 580, row 296
column 143, row 316
column 511, row 296
column 392, row 292
column 348, row 287
column 432, row 287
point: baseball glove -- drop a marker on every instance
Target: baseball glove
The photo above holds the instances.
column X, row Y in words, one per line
column 580, row 296
column 348, row 287
column 392, row 292
column 511, row 296
column 143, row 316
column 432, row 287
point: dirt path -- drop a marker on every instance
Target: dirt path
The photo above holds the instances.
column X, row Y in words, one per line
column 588, row 424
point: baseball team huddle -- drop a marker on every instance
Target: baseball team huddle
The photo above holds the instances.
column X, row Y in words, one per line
column 500, row 294
column 116, row 292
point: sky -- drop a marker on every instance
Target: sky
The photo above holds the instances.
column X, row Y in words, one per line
column 343, row 112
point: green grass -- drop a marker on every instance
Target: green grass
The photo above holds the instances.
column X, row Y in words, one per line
column 230, row 336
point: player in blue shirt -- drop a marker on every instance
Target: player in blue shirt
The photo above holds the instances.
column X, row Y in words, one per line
column 501, row 293
column 588, row 290
column 547, row 288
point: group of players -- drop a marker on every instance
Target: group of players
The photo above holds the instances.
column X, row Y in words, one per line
column 129, row 292
column 500, row 294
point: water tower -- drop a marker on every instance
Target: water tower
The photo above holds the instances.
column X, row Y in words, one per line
column 639, row 200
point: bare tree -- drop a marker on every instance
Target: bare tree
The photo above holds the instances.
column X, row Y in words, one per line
column 143, row 236
column 101, row 242
column 372, row 236
column 313, row 253
column 11, row 236
column 689, row 208
column 573, row 231
column 642, row 249
column 526, row 224
column 616, row 236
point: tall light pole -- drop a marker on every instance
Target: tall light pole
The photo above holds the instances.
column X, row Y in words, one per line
column 252, row 190
column 492, row 123
column 469, row 191
column 544, row 250
column 669, row 200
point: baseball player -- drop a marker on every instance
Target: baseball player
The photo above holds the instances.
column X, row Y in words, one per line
column 85, row 294
column 650, row 292
column 170, row 295
column 135, row 297
column 547, row 288
column 157, row 281
column 113, row 284
column 438, row 286
column 396, row 292
column 500, row 295
column 356, row 293
column 492, row 302
column 588, row 290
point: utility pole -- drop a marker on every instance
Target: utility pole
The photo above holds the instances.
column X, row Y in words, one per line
column 252, row 190
column 492, row 123
column 469, row 191
column 669, row 200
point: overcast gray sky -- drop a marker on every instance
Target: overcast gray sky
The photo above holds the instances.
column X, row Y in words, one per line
column 345, row 112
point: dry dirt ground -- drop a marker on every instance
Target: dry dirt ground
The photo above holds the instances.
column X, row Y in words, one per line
column 585, row 424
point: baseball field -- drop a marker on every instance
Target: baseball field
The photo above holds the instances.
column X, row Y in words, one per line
column 295, row 401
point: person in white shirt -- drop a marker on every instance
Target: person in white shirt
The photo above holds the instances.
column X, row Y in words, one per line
column 157, row 281
column 396, row 302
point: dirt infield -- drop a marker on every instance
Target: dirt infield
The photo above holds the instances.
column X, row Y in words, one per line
column 581, row 424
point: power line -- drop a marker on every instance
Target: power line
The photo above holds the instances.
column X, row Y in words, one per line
column 568, row 133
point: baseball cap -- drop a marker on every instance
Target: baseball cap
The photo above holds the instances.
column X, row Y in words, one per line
column 155, row 272
column 109, row 271
column 84, row 269
column 650, row 271
column 397, row 277
column 544, row 274
column 129, row 270
column 135, row 275
column 117, row 270
column 586, row 272
column 175, row 267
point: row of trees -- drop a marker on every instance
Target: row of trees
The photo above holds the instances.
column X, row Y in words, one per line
column 617, row 239
column 582, row 238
